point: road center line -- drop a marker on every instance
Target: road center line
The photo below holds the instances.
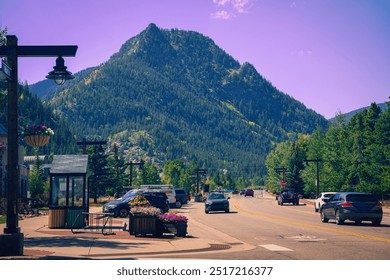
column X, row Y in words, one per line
column 367, row 236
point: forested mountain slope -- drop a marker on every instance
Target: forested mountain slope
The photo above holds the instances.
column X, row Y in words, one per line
column 171, row 94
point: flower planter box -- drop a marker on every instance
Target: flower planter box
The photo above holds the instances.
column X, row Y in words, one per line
column 141, row 225
column 178, row 229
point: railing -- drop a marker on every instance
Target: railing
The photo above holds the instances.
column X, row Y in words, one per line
column 95, row 222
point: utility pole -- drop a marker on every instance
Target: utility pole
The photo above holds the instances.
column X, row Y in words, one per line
column 140, row 164
column 282, row 170
column 317, row 173
column 199, row 172
column 86, row 143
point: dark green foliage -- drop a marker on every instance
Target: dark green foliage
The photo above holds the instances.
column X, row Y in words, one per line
column 355, row 155
column 100, row 176
column 33, row 112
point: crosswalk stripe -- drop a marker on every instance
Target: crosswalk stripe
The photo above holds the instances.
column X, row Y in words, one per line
column 273, row 247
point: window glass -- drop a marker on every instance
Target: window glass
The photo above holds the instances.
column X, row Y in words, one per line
column 58, row 195
column 335, row 197
column 75, row 191
column 361, row 198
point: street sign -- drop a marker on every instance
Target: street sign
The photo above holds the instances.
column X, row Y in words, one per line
column 5, row 71
column 283, row 184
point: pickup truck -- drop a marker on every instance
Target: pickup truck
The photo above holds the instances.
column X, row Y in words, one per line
column 288, row 196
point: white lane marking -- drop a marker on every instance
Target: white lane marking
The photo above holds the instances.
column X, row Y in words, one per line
column 273, row 247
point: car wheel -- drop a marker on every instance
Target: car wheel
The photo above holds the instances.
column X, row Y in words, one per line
column 315, row 208
column 324, row 219
column 281, row 203
column 377, row 222
column 123, row 213
column 206, row 211
column 227, row 210
column 339, row 221
column 178, row 204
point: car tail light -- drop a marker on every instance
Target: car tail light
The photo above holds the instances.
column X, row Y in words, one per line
column 346, row 204
column 379, row 204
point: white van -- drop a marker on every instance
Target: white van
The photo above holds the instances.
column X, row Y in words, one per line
column 169, row 190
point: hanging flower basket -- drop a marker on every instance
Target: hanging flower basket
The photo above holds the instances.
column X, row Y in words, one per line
column 36, row 140
column 37, row 135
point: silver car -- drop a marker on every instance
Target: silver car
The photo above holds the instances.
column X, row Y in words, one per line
column 321, row 199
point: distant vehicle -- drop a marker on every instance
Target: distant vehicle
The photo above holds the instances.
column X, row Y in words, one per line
column 242, row 192
column 249, row 192
column 121, row 208
column 288, row 196
column 182, row 197
column 235, row 192
column 352, row 206
column 216, row 201
column 321, row 199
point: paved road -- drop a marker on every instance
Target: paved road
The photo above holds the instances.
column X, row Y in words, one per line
column 287, row 232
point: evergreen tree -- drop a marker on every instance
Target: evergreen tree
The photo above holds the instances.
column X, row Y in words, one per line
column 100, row 178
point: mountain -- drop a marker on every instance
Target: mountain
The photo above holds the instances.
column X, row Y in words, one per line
column 349, row 115
column 171, row 94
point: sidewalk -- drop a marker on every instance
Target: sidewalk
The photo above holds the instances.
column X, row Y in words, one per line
column 41, row 242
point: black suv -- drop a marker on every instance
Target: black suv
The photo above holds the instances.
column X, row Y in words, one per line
column 121, row 208
column 288, row 196
column 181, row 197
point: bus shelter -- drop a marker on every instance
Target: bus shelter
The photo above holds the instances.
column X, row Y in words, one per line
column 68, row 191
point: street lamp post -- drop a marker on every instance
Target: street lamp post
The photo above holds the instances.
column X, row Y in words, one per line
column 11, row 242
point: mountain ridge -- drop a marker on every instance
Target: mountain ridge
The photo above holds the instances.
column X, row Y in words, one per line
column 188, row 97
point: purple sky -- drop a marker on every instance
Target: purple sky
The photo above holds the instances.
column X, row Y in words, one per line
column 331, row 55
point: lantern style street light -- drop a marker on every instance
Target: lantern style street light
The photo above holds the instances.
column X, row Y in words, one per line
column 11, row 242
column 60, row 74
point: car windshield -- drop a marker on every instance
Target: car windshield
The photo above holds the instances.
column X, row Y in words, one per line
column 361, row 198
column 129, row 195
column 216, row 196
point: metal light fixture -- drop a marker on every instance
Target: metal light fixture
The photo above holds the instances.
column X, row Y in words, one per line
column 60, row 74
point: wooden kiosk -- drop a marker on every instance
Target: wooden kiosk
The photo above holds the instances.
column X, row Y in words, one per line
column 68, row 191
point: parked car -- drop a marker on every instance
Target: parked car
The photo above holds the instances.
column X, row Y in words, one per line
column 321, row 199
column 242, row 192
column 288, row 196
column 352, row 206
column 121, row 208
column 216, row 201
column 235, row 192
column 182, row 197
column 249, row 192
